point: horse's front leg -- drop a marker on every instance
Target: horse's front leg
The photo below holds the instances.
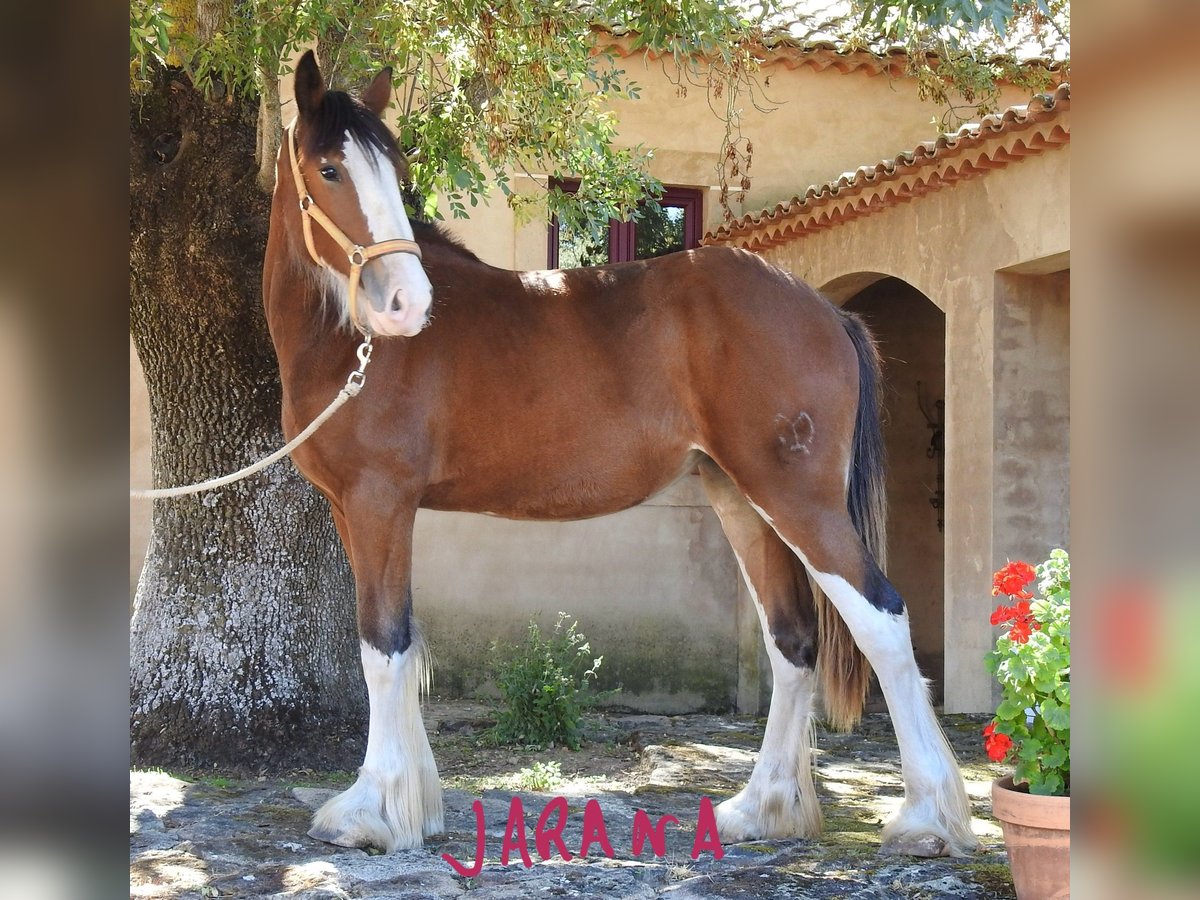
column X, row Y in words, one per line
column 397, row 799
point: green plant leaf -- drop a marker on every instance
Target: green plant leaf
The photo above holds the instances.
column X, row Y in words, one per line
column 1055, row 716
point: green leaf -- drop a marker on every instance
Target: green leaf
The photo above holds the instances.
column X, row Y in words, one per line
column 1054, row 757
column 1055, row 716
column 1050, row 783
column 1025, row 771
column 1012, row 708
column 1029, row 750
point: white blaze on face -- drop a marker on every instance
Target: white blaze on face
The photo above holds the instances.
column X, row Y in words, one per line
column 395, row 293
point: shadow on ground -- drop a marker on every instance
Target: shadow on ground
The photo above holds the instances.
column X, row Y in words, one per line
column 194, row 836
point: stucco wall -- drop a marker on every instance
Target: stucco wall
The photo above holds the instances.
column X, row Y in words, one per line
column 654, row 588
column 1032, row 415
column 816, row 126
column 949, row 245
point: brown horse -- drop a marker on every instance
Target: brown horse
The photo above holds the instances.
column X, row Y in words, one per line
column 568, row 394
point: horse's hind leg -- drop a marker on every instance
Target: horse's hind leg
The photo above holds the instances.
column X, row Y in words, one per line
column 779, row 800
column 935, row 818
column 397, row 799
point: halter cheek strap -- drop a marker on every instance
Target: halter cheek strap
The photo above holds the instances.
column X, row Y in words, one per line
column 357, row 254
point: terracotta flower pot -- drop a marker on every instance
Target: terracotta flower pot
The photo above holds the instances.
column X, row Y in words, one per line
column 1037, row 833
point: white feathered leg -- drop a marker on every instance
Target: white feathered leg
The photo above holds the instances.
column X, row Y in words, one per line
column 397, row 800
column 780, row 799
column 935, row 819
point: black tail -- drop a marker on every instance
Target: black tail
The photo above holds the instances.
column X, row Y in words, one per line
column 866, row 497
column 845, row 673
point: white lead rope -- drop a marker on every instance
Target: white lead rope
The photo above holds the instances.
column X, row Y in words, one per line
column 354, row 384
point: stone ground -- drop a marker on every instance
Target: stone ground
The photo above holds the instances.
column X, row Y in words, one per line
column 195, row 835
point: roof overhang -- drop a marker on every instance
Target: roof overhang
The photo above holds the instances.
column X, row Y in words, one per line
column 995, row 142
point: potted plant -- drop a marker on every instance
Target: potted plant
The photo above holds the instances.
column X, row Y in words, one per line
column 1032, row 725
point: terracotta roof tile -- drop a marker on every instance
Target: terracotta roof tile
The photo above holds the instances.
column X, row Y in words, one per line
column 992, row 143
column 824, row 34
column 823, row 54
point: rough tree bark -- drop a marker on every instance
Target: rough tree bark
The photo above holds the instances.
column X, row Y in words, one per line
column 242, row 645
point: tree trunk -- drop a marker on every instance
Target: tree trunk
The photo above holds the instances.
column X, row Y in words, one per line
column 243, row 649
column 270, row 126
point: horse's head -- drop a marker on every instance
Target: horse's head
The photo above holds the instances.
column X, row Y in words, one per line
column 344, row 161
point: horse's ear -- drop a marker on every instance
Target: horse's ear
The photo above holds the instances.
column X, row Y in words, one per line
column 379, row 93
column 310, row 86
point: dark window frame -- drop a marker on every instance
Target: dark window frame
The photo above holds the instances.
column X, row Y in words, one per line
column 622, row 236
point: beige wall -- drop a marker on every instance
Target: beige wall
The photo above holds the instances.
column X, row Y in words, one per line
column 821, row 124
column 1031, row 504
column 949, row 245
column 654, row 588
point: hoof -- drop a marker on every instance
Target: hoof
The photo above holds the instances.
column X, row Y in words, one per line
column 733, row 825
column 392, row 813
column 928, row 830
column 927, row 846
column 343, row 838
column 745, row 817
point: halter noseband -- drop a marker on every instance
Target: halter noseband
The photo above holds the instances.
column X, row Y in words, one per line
column 357, row 254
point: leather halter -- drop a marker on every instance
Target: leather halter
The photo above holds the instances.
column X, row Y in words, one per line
column 357, row 254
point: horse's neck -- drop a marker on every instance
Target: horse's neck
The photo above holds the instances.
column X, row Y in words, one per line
column 305, row 336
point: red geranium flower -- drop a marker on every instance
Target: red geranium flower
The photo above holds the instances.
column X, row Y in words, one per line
column 996, row 745
column 1022, row 618
column 1020, row 631
column 1011, row 580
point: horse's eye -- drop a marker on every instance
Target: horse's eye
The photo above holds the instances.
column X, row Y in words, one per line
column 329, row 173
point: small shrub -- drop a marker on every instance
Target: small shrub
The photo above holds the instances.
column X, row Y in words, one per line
column 544, row 686
column 540, row 776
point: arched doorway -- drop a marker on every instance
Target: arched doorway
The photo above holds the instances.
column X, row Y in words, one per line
column 911, row 332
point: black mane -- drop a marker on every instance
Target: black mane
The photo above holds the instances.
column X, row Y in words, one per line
column 340, row 113
column 433, row 233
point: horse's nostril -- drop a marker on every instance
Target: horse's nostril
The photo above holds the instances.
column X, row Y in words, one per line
column 397, row 302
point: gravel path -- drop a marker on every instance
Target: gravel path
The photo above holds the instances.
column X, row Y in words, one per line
column 210, row 835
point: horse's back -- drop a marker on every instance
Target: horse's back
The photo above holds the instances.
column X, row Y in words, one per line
column 577, row 392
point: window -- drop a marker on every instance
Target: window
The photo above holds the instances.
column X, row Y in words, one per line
column 674, row 225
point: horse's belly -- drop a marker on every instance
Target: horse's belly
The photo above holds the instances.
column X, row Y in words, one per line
column 549, row 492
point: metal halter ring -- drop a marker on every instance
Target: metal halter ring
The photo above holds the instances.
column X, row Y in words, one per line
column 305, row 202
column 361, row 253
